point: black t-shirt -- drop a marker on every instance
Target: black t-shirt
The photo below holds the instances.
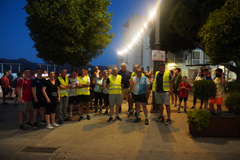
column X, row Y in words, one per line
column 126, row 75
column 10, row 78
column 38, row 83
column 51, row 88
column 63, row 79
column 160, row 82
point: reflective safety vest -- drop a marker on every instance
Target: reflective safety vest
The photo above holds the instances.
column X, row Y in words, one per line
column 84, row 90
column 166, row 81
column 63, row 92
column 115, row 86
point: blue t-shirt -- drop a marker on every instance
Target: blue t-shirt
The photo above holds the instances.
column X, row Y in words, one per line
column 207, row 77
column 140, row 85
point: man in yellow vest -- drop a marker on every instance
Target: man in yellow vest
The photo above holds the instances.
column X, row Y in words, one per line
column 114, row 84
column 83, row 93
column 64, row 87
column 162, row 85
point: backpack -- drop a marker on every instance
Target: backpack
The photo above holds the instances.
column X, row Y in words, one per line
column 14, row 82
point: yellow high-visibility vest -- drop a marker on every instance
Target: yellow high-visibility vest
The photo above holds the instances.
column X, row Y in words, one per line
column 115, row 86
column 84, row 90
column 166, row 81
column 63, row 92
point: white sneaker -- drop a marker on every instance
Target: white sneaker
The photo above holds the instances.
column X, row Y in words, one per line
column 49, row 127
column 55, row 124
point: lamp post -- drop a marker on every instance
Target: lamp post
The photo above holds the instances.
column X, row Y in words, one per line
column 157, row 46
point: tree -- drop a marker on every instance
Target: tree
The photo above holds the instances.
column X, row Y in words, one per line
column 221, row 35
column 69, row 31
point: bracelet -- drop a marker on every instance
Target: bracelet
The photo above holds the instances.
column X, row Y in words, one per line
column 20, row 98
column 47, row 99
column 35, row 97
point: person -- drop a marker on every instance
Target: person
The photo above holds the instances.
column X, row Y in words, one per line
column 65, row 85
column 140, row 84
column 92, row 83
column 146, row 73
column 72, row 92
column 151, row 78
column 198, row 78
column 162, row 85
column 220, row 82
column 171, row 93
column 184, row 87
column 98, row 92
column 75, row 70
column 39, row 101
column 15, row 80
column 126, row 81
column 56, row 76
column 114, row 84
column 206, row 77
column 97, row 71
column 51, row 93
column 83, row 93
column 130, row 102
column 45, row 74
column 5, row 86
column 32, row 75
column 25, row 98
column 177, row 79
column 105, row 92
column 10, row 90
column 109, row 70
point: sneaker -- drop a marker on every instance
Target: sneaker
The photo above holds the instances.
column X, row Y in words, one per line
column 175, row 105
column 28, row 124
column 130, row 113
column 118, row 118
column 49, row 127
column 95, row 110
column 88, row 117
column 67, row 119
column 21, row 127
column 80, row 118
column 169, row 121
column 178, row 111
column 100, row 112
column 55, row 124
column 185, row 111
column 35, row 125
column 160, row 119
column 60, row 121
column 70, row 115
column 146, row 122
column 43, row 122
column 138, row 119
column 172, row 105
column 106, row 112
column 110, row 119
column 193, row 107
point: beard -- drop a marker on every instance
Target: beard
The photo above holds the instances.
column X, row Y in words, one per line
column 218, row 75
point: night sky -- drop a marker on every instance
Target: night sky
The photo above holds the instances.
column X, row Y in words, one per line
column 15, row 42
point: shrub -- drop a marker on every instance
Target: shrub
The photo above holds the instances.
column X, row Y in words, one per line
column 232, row 102
column 232, row 87
column 204, row 89
column 199, row 117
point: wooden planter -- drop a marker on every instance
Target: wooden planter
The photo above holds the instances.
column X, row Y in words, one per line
column 220, row 126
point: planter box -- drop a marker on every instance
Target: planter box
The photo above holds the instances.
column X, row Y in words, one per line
column 220, row 126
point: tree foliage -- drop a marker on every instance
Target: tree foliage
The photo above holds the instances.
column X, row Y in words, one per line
column 69, row 31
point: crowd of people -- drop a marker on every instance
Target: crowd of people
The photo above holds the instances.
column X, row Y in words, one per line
column 52, row 94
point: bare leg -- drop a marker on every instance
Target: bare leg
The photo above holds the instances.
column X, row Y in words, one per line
column 161, row 109
column 144, row 105
column 71, row 108
column 130, row 103
column 211, row 107
column 185, row 104
column 111, row 110
column 4, row 99
column 168, row 111
column 179, row 105
column 47, row 118
column 171, row 94
column 81, row 108
column 28, row 115
column 42, row 113
column 87, row 107
column 219, row 108
column 35, row 112
column 20, row 117
column 53, row 117
column 117, row 109
column 176, row 97
column 137, row 106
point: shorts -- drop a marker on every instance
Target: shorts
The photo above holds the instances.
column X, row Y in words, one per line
column 140, row 98
column 25, row 106
column 216, row 100
column 41, row 103
column 5, row 91
column 162, row 98
column 83, row 98
column 72, row 99
column 183, row 98
column 10, row 89
column 125, row 92
column 115, row 99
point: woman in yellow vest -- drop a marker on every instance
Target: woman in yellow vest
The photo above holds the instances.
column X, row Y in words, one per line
column 83, row 93
column 162, row 85
column 64, row 87
column 114, row 84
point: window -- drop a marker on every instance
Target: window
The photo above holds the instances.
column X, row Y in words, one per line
column 196, row 55
column 178, row 58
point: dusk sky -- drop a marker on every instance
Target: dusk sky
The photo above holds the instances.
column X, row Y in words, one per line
column 15, row 42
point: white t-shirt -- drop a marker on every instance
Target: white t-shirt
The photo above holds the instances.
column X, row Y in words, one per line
column 87, row 80
column 198, row 78
column 72, row 92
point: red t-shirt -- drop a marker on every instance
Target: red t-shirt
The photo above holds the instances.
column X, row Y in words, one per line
column 26, row 89
column 184, row 92
column 6, row 80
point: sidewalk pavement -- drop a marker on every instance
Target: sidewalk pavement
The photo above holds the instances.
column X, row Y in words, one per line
column 96, row 139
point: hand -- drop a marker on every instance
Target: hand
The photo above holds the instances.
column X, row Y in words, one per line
column 59, row 99
column 36, row 100
column 80, row 85
column 21, row 101
column 130, row 95
column 48, row 101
